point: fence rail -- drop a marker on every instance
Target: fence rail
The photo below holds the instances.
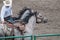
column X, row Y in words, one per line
column 32, row 36
column 45, row 35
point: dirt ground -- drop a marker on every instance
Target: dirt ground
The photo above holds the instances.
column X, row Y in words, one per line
column 49, row 8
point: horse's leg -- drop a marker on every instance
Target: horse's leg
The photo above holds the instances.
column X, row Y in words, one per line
column 17, row 33
column 22, row 33
column 2, row 34
column 28, row 33
column 12, row 33
column 30, row 27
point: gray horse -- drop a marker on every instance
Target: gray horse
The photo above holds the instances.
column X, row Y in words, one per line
column 29, row 17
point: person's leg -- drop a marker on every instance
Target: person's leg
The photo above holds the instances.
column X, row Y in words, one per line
column 9, row 19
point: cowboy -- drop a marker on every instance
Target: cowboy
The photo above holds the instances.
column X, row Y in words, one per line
column 6, row 11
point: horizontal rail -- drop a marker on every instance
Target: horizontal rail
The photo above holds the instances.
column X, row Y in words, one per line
column 32, row 36
column 15, row 37
column 46, row 35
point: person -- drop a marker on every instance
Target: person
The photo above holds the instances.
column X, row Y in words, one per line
column 6, row 11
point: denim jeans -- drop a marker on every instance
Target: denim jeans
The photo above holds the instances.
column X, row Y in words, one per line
column 9, row 19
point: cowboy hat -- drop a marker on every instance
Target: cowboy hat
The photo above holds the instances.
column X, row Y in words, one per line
column 7, row 3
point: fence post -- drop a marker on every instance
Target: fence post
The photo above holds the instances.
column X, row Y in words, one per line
column 34, row 37
column 31, row 37
column 2, row 39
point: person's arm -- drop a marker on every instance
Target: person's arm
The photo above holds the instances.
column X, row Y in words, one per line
column 11, row 10
column 2, row 14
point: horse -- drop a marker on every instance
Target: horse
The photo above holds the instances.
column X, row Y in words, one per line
column 8, row 29
column 30, row 18
column 5, row 30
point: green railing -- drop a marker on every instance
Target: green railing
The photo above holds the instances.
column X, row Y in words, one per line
column 31, row 36
column 3, row 38
column 45, row 35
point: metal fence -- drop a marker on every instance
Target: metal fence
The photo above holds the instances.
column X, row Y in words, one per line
column 33, row 37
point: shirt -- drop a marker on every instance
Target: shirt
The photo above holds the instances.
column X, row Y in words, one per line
column 5, row 12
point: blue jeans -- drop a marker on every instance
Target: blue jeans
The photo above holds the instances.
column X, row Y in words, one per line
column 9, row 19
